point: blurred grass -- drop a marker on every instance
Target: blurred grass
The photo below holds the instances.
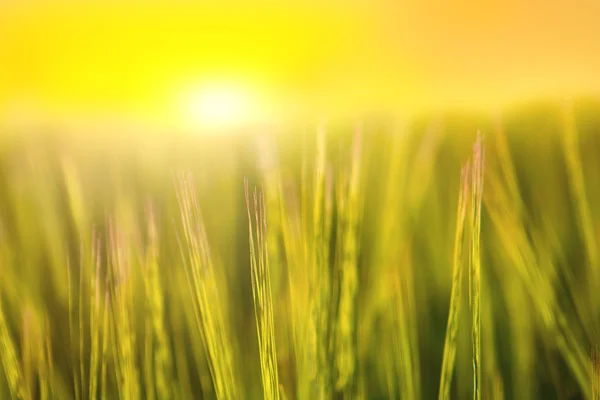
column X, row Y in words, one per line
column 137, row 267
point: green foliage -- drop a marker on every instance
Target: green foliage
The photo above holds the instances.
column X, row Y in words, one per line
column 201, row 276
column 351, row 274
column 261, row 291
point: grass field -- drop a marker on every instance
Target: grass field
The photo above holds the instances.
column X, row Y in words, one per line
column 373, row 261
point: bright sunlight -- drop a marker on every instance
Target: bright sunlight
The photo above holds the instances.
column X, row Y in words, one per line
column 219, row 106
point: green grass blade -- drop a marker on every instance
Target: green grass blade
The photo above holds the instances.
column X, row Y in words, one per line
column 202, row 281
column 261, row 290
column 477, row 174
column 455, row 296
column 349, row 212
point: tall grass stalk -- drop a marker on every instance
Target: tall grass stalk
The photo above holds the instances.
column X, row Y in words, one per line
column 106, row 330
column 201, row 279
column 261, row 291
column 122, row 311
column 294, row 245
column 42, row 366
column 595, row 372
column 8, row 355
column 27, row 351
column 349, row 213
column 450, row 341
column 95, row 313
column 76, row 382
column 320, row 279
column 149, row 390
column 82, row 273
column 477, row 174
column 50, row 374
column 10, row 362
column 159, row 347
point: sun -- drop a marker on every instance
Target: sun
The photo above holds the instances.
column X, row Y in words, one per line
column 222, row 106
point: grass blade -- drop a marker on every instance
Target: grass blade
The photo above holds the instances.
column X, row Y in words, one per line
column 201, row 279
column 477, row 174
column 454, row 312
column 261, row 291
column 349, row 213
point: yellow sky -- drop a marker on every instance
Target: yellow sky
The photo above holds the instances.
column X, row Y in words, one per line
column 140, row 58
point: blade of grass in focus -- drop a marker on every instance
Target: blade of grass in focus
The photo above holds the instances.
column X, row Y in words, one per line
column 261, row 290
column 455, row 296
column 201, row 279
column 477, row 174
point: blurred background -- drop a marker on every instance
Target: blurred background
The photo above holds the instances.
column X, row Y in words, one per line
column 158, row 61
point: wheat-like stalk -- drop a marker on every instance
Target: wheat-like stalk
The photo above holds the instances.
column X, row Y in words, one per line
column 261, row 290
column 201, row 279
column 122, row 311
column 595, row 373
column 349, row 214
column 450, row 341
column 320, row 280
column 477, row 174
column 159, row 365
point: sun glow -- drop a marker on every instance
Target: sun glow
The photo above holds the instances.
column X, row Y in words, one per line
column 338, row 60
column 222, row 106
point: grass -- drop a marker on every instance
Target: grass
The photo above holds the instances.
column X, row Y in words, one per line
column 201, row 276
column 382, row 261
column 261, row 293
column 11, row 364
column 455, row 297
